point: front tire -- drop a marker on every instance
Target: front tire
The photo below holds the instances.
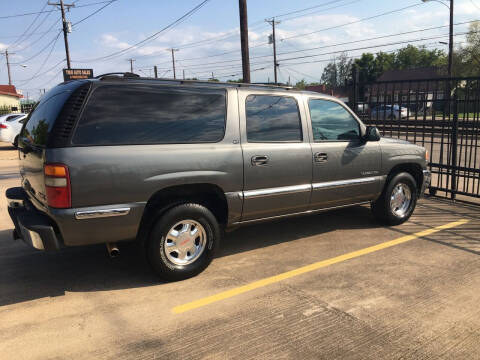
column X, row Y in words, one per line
column 183, row 241
column 397, row 201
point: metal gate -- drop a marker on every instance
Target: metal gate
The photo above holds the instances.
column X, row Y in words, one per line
column 440, row 114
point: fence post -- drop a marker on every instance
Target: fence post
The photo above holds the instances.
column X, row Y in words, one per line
column 454, row 146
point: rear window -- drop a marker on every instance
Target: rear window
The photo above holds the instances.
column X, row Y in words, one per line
column 13, row 117
column 41, row 119
column 143, row 114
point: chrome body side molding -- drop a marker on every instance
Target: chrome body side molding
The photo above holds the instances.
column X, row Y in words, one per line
column 342, row 183
column 250, row 194
column 299, row 213
column 101, row 213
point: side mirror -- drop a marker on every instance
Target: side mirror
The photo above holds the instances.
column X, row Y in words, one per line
column 372, row 134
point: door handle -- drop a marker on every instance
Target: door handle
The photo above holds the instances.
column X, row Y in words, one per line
column 258, row 160
column 320, row 157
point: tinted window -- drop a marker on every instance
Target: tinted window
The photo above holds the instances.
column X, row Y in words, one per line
column 151, row 115
column 272, row 118
column 42, row 118
column 331, row 121
column 13, row 117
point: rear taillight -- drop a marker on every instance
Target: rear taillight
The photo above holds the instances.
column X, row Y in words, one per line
column 3, row 126
column 57, row 185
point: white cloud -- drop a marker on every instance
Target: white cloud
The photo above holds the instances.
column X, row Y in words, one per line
column 113, row 42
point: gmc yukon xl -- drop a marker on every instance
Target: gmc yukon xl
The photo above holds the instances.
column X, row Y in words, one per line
column 171, row 164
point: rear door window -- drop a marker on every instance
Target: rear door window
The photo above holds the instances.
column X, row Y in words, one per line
column 142, row 114
column 273, row 119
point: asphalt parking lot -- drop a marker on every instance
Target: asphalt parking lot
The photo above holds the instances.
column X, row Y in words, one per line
column 331, row 285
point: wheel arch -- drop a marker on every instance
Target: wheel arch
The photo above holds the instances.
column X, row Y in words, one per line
column 209, row 195
column 413, row 169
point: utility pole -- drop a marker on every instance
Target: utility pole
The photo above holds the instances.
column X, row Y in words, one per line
column 155, row 71
column 450, row 45
column 8, row 67
column 67, row 27
column 173, row 61
column 272, row 41
column 131, row 64
column 183, row 74
column 242, row 4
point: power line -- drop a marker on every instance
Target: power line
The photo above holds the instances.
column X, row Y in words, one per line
column 323, row 10
column 314, row 48
column 95, row 12
column 49, row 11
column 42, row 50
column 327, row 46
column 373, row 38
column 26, row 81
column 356, row 21
column 41, row 37
column 29, row 26
column 46, row 71
column 151, row 37
column 202, row 66
column 294, row 36
column 372, row 46
column 28, row 36
column 306, row 9
column 252, row 26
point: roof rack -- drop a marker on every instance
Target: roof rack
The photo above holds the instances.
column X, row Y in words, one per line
column 125, row 75
column 129, row 75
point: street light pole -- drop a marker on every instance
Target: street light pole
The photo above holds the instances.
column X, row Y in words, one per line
column 450, row 42
column 450, row 45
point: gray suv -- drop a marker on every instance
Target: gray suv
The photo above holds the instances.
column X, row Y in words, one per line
column 172, row 164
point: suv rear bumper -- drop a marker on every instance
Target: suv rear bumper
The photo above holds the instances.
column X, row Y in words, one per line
column 33, row 227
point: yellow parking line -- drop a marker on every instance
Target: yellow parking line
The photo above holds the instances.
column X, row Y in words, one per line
column 305, row 269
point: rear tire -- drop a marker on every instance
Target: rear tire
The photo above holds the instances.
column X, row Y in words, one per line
column 397, row 201
column 183, row 241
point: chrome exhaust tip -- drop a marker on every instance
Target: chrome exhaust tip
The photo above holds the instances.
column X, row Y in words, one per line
column 113, row 250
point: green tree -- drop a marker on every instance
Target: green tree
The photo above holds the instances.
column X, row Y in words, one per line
column 329, row 75
column 301, row 84
column 411, row 57
column 336, row 73
column 466, row 60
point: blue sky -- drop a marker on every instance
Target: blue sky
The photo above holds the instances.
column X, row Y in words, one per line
column 126, row 22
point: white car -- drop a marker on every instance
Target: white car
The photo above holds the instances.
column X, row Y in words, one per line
column 10, row 127
column 390, row 112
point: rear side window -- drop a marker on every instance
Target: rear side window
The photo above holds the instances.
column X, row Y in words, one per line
column 41, row 119
column 141, row 114
column 272, row 119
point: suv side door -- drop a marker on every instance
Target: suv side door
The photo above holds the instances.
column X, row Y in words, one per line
column 346, row 169
column 276, row 154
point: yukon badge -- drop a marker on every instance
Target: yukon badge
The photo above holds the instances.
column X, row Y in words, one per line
column 372, row 172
